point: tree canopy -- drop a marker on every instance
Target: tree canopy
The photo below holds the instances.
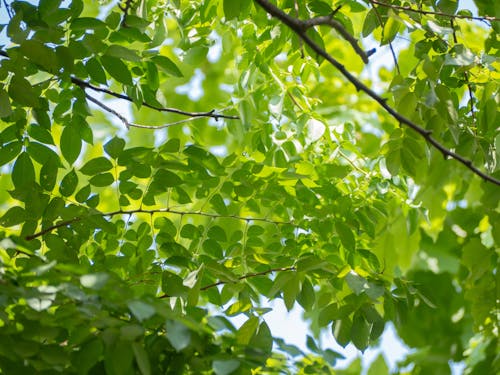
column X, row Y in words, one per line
column 168, row 165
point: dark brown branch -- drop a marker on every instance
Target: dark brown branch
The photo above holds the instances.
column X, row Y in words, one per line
column 156, row 211
column 247, row 276
column 212, row 113
column 129, row 124
column 381, row 22
column 333, row 23
column 429, row 12
column 295, row 25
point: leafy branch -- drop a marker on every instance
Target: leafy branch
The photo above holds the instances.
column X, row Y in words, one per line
column 151, row 212
column 247, row 276
column 333, row 23
column 429, row 12
column 299, row 27
column 212, row 113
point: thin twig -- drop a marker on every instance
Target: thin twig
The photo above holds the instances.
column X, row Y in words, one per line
column 211, row 113
column 381, row 22
column 7, row 8
column 129, row 124
column 296, row 26
column 247, row 276
column 429, row 12
column 155, row 211
column 466, row 78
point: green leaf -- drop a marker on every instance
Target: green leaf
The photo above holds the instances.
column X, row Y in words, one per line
column 307, row 296
column 247, row 330
column 9, row 151
column 167, row 65
column 23, row 172
column 360, row 332
column 87, row 23
column 370, row 23
column 225, row 367
column 21, row 91
column 141, row 310
column 95, row 70
column 346, row 235
column 342, row 331
column 96, row 165
column 14, row 216
column 68, row 184
column 121, row 52
column 88, row 355
column 235, row 8
column 40, row 54
column 117, row 69
column 102, row 179
column 40, row 134
column 70, row 143
column 48, row 173
column 141, row 358
column 114, row 147
column 5, row 107
column 391, row 29
column 178, row 335
column 218, row 204
column 82, row 195
column 166, row 179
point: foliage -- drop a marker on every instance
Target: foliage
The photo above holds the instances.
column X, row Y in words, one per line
column 262, row 162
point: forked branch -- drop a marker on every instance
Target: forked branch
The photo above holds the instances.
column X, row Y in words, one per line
column 297, row 27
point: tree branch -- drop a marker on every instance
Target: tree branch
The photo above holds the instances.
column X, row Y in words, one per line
column 212, row 113
column 333, row 23
column 129, row 124
column 247, row 276
column 296, row 26
column 429, row 12
column 151, row 212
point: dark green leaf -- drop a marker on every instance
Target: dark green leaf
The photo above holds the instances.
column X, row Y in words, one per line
column 23, row 172
column 167, row 65
column 9, row 152
column 14, row 216
column 95, row 70
column 71, row 144
column 48, row 174
column 346, row 235
column 117, row 69
column 5, row 107
column 114, row 147
column 102, row 179
column 68, row 184
column 96, row 165
column 21, row 91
